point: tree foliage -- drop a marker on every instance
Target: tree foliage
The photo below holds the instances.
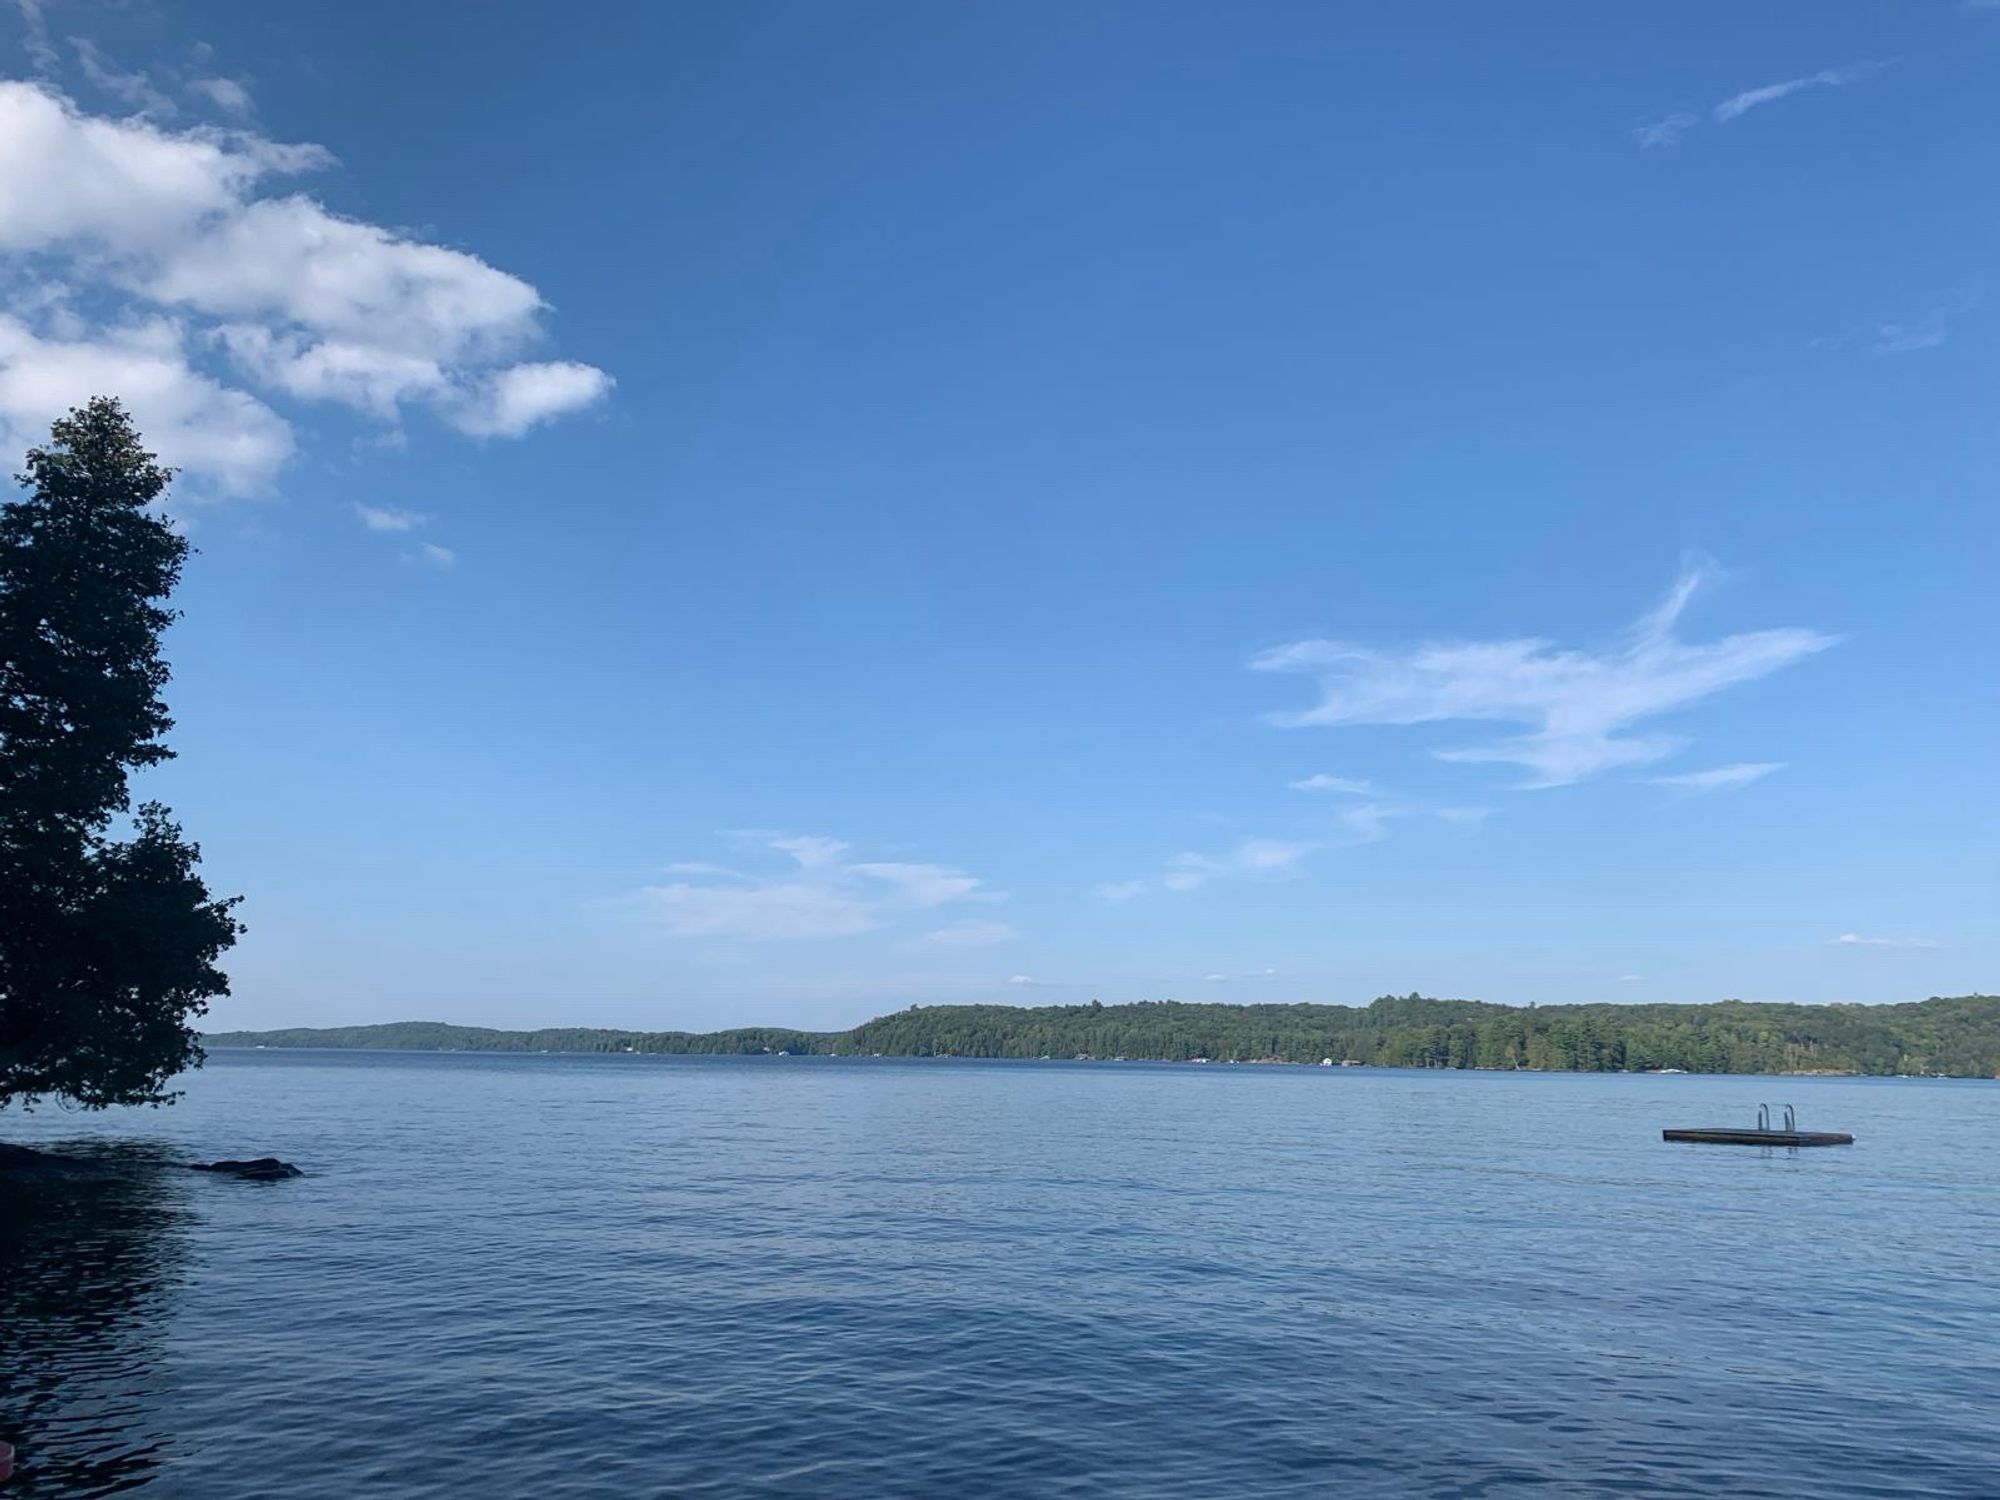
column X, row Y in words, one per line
column 1958, row 1036
column 108, row 943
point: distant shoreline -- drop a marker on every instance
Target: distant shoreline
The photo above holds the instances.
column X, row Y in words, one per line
column 1151, row 1062
column 1941, row 1037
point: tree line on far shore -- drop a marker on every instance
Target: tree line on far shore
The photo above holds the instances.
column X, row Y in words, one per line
column 1957, row 1037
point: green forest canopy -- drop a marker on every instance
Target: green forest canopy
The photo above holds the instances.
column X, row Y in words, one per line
column 1959, row 1037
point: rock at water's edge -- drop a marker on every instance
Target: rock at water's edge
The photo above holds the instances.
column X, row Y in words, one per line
column 26, row 1159
column 263, row 1169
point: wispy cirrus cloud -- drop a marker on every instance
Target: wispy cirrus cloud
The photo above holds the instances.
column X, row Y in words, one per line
column 1367, row 821
column 1249, row 858
column 1737, row 105
column 177, row 267
column 819, row 894
column 1720, row 779
column 1345, row 786
column 1914, row 334
column 1860, row 940
column 1580, row 707
column 1371, row 822
column 968, row 935
column 1669, row 129
column 226, row 94
column 807, row 850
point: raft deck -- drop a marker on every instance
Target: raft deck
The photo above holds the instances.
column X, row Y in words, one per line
column 1723, row 1136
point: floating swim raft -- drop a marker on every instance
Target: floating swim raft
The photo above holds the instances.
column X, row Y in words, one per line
column 1761, row 1134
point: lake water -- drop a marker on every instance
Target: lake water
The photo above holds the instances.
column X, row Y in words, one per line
column 627, row 1276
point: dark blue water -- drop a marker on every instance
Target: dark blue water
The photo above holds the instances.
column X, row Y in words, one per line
column 550, row 1276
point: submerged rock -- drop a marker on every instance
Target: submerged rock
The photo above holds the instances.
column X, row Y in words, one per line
column 43, row 1163
column 263, row 1169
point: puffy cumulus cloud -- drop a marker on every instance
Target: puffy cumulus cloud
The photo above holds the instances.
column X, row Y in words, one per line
column 388, row 518
column 270, row 289
column 1578, row 706
column 125, row 190
column 193, row 421
column 819, row 894
column 524, row 396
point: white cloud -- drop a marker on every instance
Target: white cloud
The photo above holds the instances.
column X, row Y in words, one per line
column 1346, row 786
column 155, row 223
column 516, row 399
column 969, row 935
column 810, row 852
column 1930, row 329
column 314, row 279
column 35, row 36
column 1909, row 338
column 126, row 191
column 1249, row 858
column 1669, row 129
column 1740, row 104
column 1577, row 704
column 1666, row 131
column 1721, row 779
column 1857, row 940
column 819, row 896
column 134, row 89
column 1629, row 978
column 1023, row 981
column 1216, row 978
column 224, row 93
column 1121, row 890
column 192, row 421
column 921, row 885
column 387, row 518
column 431, row 555
column 1369, row 822
column 779, row 910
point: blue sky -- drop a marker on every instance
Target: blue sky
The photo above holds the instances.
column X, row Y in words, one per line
column 748, row 513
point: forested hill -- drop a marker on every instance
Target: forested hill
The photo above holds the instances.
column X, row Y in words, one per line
column 1959, row 1037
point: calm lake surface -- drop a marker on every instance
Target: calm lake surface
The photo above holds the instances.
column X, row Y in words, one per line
column 569, row 1276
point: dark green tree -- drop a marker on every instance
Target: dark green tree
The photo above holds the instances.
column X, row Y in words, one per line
column 109, row 939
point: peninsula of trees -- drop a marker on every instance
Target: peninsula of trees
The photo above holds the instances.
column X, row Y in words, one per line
column 1957, row 1037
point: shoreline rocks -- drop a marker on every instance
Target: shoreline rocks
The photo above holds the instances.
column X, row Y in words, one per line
column 262, row 1169
column 27, row 1159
